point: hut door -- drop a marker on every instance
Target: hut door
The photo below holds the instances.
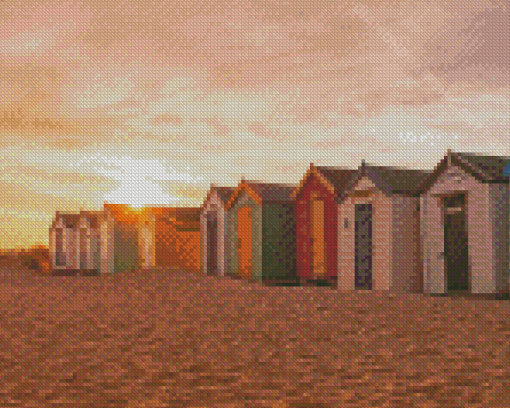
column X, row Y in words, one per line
column 363, row 246
column 318, row 242
column 59, row 248
column 212, row 243
column 83, row 248
column 455, row 243
column 244, row 232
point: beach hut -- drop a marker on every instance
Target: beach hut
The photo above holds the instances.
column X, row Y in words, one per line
column 177, row 237
column 213, row 230
column 64, row 243
column 261, row 233
column 316, row 223
column 75, row 242
column 464, row 221
column 378, row 225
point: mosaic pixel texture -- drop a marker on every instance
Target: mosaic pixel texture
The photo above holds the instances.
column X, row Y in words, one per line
column 282, row 204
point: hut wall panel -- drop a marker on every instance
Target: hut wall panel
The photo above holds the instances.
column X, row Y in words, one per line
column 454, row 179
column 406, row 265
column 278, row 241
column 303, row 231
column 500, row 202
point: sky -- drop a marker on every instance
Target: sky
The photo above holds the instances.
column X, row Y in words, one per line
column 148, row 102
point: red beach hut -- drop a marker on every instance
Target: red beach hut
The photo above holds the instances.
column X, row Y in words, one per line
column 316, row 223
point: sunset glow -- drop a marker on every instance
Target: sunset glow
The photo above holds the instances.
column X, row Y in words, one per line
column 147, row 103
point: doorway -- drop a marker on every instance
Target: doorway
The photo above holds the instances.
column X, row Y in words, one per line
column 83, row 248
column 59, row 248
column 212, row 243
column 244, row 234
column 363, row 246
column 318, row 241
column 455, row 243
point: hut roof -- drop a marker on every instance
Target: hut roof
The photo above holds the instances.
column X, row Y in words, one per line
column 492, row 167
column 93, row 216
column 225, row 193
column 336, row 178
column 389, row 179
column 482, row 168
column 264, row 192
column 70, row 220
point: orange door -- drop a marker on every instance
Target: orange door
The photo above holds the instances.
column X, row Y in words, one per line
column 244, row 242
column 318, row 244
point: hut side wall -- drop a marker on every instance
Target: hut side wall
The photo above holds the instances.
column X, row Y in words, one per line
column 245, row 201
column 278, row 241
column 381, row 236
column 188, row 245
column 406, row 273
column 500, row 203
column 214, row 204
column 479, row 227
column 303, row 231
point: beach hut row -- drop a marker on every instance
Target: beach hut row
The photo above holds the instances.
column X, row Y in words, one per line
column 119, row 238
column 373, row 228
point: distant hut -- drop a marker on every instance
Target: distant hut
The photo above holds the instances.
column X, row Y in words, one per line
column 177, row 237
column 213, row 230
column 316, row 223
column 464, row 217
column 64, row 243
column 262, row 232
column 75, row 242
column 379, row 227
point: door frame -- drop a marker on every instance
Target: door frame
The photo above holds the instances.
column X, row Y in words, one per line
column 371, row 285
column 463, row 208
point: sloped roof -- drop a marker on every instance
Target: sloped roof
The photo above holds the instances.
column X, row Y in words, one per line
column 482, row 168
column 389, row 179
column 225, row 193
column 93, row 216
column 70, row 220
column 492, row 167
column 272, row 191
column 339, row 177
column 265, row 192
